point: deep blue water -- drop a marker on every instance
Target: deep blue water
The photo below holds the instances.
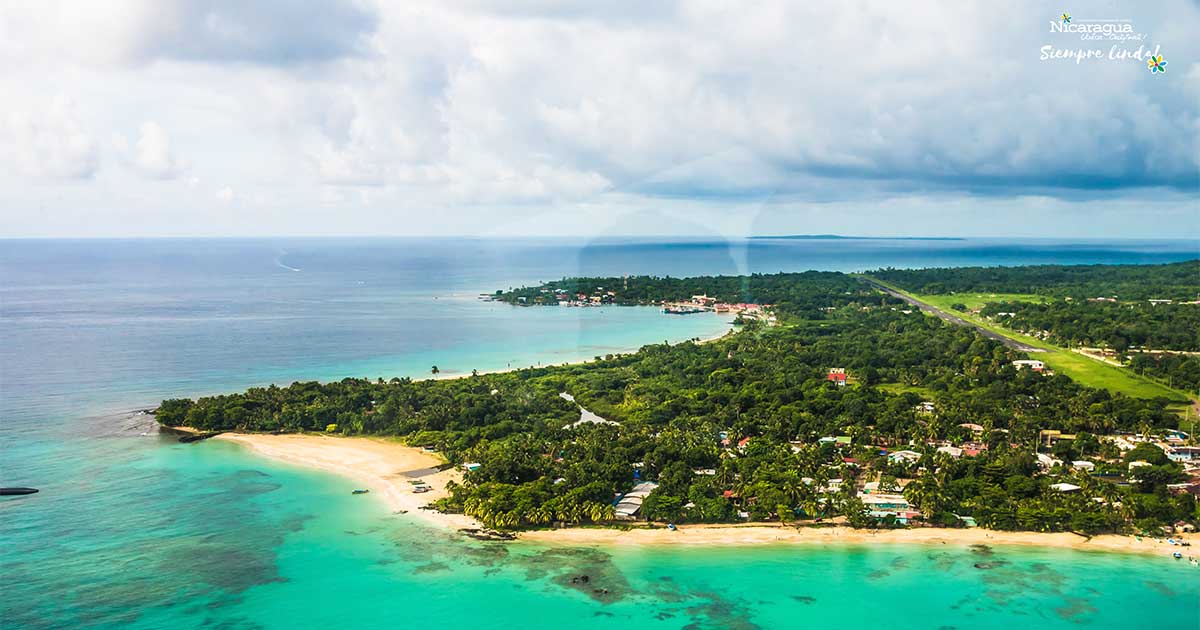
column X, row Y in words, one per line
column 135, row 530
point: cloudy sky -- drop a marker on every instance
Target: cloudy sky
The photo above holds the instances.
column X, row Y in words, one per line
column 224, row 117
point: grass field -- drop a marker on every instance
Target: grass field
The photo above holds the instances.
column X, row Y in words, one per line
column 978, row 300
column 1081, row 369
column 901, row 388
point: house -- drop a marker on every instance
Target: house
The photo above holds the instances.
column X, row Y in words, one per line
column 1064, row 487
column 1083, row 465
column 905, row 456
column 628, row 505
column 1045, row 461
column 1183, row 453
column 1174, row 436
column 742, row 443
column 1036, row 366
column 972, row 427
column 952, row 451
column 925, row 407
column 884, row 505
column 471, row 466
column 973, row 449
column 837, row 376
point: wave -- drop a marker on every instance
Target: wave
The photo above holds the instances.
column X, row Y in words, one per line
column 279, row 262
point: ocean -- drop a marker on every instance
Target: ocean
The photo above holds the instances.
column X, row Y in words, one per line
column 135, row 530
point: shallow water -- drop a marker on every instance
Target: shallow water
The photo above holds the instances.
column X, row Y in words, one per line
column 139, row 531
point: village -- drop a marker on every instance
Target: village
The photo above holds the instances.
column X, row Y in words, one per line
column 605, row 297
column 878, row 473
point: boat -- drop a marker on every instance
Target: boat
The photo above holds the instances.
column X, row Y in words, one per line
column 360, row 491
column 1177, row 555
column 422, row 489
column 16, row 491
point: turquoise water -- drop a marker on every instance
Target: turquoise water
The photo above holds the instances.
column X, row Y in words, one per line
column 233, row 541
column 139, row 531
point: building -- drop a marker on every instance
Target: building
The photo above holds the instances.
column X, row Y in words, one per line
column 925, row 407
column 1064, row 487
column 1045, row 461
column 838, row 376
column 952, row 451
column 884, row 505
column 628, row 505
column 1083, row 465
column 905, row 456
column 972, row 427
column 1183, row 453
column 1036, row 366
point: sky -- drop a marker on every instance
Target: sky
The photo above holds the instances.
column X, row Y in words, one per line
column 530, row 117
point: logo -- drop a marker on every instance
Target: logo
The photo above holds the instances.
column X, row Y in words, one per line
column 1124, row 42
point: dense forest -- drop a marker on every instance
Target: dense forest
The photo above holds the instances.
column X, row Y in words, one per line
column 1124, row 321
column 733, row 428
column 794, row 293
column 1115, row 325
column 1175, row 281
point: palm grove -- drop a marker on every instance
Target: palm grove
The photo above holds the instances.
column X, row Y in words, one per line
column 673, row 403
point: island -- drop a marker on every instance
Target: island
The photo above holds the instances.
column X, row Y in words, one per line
column 836, row 407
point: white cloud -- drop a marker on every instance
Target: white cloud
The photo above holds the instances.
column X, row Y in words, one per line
column 50, row 142
column 152, row 155
column 418, row 114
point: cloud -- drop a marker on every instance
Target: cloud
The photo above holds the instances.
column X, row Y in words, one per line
column 51, row 142
column 266, row 32
column 151, row 155
column 573, row 106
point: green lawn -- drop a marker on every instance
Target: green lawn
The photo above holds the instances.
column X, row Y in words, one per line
column 901, row 388
column 978, row 300
column 1083, row 370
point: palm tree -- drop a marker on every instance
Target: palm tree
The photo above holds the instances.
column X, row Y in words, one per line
column 435, row 370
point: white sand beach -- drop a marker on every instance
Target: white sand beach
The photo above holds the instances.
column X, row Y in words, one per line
column 381, row 466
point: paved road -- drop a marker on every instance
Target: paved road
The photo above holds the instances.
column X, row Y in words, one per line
column 953, row 319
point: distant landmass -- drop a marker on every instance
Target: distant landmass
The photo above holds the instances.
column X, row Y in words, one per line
column 832, row 237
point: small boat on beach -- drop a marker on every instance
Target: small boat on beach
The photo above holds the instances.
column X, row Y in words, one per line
column 360, row 491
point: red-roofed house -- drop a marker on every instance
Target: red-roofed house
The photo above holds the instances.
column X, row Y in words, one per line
column 837, row 375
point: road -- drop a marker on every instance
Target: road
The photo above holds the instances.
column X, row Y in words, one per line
column 953, row 319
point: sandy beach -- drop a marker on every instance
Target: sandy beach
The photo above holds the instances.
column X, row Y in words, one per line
column 767, row 533
column 386, row 466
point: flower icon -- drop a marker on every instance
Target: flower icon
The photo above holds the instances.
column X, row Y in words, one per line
column 1066, row 18
column 1156, row 63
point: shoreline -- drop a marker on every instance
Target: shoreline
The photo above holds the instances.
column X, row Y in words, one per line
column 382, row 466
column 505, row 370
column 385, row 467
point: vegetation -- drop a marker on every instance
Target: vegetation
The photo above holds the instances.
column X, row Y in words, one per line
column 1117, row 326
column 1060, row 310
column 734, row 426
column 1176, row 281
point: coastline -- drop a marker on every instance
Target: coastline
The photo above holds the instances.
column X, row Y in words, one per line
column 382, row 466
column 386, row 466
column 453, row 375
